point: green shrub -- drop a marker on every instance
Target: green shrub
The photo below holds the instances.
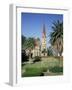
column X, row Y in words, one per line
column 56, row 69
column 37, row 59
column 45, row 69
column 24, row 57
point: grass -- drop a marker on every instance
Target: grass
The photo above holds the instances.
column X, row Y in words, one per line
column 38, row 68
column 33, row 72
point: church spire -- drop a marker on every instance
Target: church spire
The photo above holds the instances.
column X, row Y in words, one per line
column 44, row 38
column 44, row 32
column 43, row 46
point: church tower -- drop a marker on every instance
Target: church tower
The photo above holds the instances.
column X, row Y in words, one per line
column 43, row 45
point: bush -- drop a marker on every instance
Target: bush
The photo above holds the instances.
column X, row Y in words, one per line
column 24, row 57
column 37, row 59
column 45, row 69
column 56, row 69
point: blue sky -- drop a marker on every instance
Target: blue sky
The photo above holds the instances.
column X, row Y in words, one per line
column 32, row 24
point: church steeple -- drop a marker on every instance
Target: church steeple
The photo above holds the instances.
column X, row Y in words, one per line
column 44, row 32
column 44, row 38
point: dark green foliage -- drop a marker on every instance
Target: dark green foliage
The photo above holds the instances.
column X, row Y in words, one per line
column 24, row 57
column 23, row 39
column 56, row 36
column 57, row 31
column 56, row 69
column 27, row 43
column 45, row 69
column 37, row 59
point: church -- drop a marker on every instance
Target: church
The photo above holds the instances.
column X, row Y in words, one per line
column 40, row 48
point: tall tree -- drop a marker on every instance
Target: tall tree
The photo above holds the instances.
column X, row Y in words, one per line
column 29, row 43
column 23, row 39
column 56, row 36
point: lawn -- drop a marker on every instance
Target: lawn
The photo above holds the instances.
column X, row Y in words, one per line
column 47, row 66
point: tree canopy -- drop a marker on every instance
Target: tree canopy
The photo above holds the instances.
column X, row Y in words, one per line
column 27, row 43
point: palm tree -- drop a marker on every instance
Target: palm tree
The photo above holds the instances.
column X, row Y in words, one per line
column 56, row 36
